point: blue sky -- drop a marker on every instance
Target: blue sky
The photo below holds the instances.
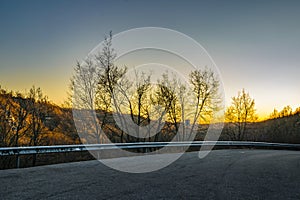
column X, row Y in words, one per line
column 255, row 44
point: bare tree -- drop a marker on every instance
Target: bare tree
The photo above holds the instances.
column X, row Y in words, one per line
column 184, row 95
column 167, row 97
column 84, row 88
column 22, row 114
column 240, row 113
column 6, row 118
column 206, row 97
column 134, row 96
column 93, row 86
column 38, row 113
column 109, row 77
column 15, row 113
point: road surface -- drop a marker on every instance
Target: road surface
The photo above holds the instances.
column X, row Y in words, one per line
column 223, row 174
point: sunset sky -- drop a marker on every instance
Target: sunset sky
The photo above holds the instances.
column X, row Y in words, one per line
column 255, row 44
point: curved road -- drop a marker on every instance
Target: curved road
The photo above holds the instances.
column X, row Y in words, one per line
column 223, row 174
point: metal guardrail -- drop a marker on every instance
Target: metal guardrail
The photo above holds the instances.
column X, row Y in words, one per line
column 6, row 151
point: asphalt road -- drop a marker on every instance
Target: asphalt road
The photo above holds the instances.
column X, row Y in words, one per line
column 223, row 174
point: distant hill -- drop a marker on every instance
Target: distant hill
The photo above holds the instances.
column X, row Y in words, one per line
column 282, row 129
column 57, row 125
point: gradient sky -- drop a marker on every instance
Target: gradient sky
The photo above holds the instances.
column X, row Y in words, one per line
column 255, row 44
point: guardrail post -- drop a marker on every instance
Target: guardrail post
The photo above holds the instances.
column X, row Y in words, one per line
column 18, row 161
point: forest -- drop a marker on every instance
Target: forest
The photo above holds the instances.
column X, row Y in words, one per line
column 31, row 120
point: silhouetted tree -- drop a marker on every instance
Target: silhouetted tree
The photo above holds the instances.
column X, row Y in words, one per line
column 134, row 97
column 240, row 113
column 93, row 86
column 166, row 95
column 286, row 111
column 6, row 118
column 206, row 97
column 38, row 115
column 274, row 114
column 297, row 111
column 22, row 114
